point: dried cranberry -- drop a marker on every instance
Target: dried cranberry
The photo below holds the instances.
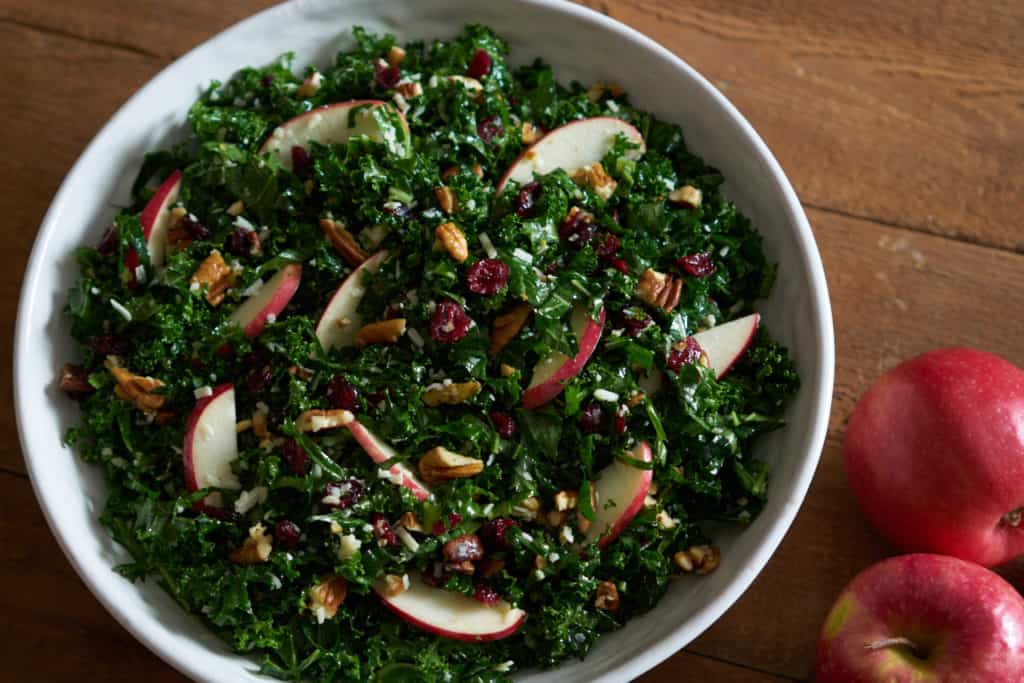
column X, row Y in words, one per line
column 385, row 76
column 697, row 265
column 488, row 129
column 486, row 594
column 342, row 394
column 607, row 246
column 109, row 345
column 302, row 163
column 449, row 323
column 593, row 418
column 241, row 241
column 487, row 276
column 504, row 424
column 689, row 353
column 382, row 530
column 267, row 80
column 287, row 534
column 493, row 531
column 347, row 493
column 454, row 519
column 525, row 204
column 377, row 397
column 108, row 243
column 295, row 457
column 577, row 228
column 632, row 321
column 194, row 228
column 620, row 423
column 223, row 514
column 74, row 381
column 619, row 265
column 480, row 65
column 258, row 378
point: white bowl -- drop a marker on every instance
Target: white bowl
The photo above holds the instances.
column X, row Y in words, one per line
column 580, row 44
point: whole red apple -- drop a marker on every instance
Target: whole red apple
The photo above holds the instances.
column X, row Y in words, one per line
column 923, row 619
column 934, row 454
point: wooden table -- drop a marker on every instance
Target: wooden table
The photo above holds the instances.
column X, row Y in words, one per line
column 902, row 129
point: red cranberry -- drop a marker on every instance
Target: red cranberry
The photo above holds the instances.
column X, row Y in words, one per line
column 385, row 76
column 194, row 228
column 454, row 519
column 486, row 594
column 487, row 276
column 109, row 345
column 295, row 457
column 577, row 229
column 449, row 323
column 697, row 265
column 619, row 265
column 689, row 353
column 593, row 418
column 491, row 128
column 632, row 321
column 492, row 532
column 287, row 534
column 348, row 493
column 525, row 204
column 223, row 514
column 241, row 241
column 108, row 243
column 620, row 424
column 302, row 163
column 74, row 381
column 258, row 379
column 382, row 530
column 504, row 424
column 342, row 394
column 607, row 246
column 480, row 65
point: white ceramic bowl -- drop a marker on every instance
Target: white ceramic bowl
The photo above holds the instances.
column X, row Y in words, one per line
column 580, row 44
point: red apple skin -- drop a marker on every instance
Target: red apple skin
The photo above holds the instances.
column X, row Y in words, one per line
column 969, row 620
column 554, row 385
column 284, row 294
column 446, row 633
column 147, row 218
column 374, row 447
column 191, row 483
column 643, row 453
column 934, row 454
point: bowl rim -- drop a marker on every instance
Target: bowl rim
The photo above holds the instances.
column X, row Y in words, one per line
column 821, row 381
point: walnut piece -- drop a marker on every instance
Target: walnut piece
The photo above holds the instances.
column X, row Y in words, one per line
column 687, row 195
column 381, row 332
column 327, row 596
column 256, row 548
column 439, row 465
column 74, row 381
column 135, row 389
column 319, row 420
column 607, row 597
column 596, row 178
column 343, row 241
column 451, row 394
column 659, row 289
column 214, row 274
column 453, row 241
column 446, row 199
column 702, row 559
column 507, row 326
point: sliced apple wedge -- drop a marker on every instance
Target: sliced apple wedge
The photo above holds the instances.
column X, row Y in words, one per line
column 619, row 493
column 265, row 305
column 570, row 147
column 724, row 344
column 451, row 615
column 341, row 320
column 211, row 444
column 155, row 219
column 334, row 124
column 380, row 452
column 551, row 373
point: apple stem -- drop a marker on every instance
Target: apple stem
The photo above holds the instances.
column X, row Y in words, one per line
column 898, row 641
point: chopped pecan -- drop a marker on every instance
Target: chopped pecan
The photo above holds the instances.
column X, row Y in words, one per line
column 451, row 394
column 607, row 598
column 136, row 389
column 74, row 381
column 259, row 425
column 439, row 465
column 462, row 551
column 410, row 521
column 327, row 596
column 507, row 326
column 659, row 289
column 409, row 89
column 582, row 523
column 236, row 209
column 395, row 55
column 256, row 548
column 381, row 332
column 566, row 500
column 343, row 241
column 453, row 241
column 310, row 86
column 319, row 420
column 598, row 90
column 530, row 133
column 446, row 199
column 636, row 399
column 687, row 195
column 472, row 86
column 216, row 276
column 478, row 170
column 702, row 559
column 299, row 372
column 507, row 370
column 177, row 235
column 395, row 584
column 527, row 509
column 596, row 178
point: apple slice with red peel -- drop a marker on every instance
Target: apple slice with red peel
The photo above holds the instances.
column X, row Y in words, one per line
column 380, row 452
column 551, row 373
column 253, row 313
column 156, row 219
column 570, row 147
column 451, row 615
column 211, row 445
column 340, row 320
column 619, row 493
column 334, row 124
column 724, row 344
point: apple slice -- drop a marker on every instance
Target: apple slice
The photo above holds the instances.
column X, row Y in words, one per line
column 570, row 147
column 334, row 124
column 155, row 219
column 725, row 343
column 263, row 306
column 619, row 493
column 451, row 615
column 380, row 452
column 340, row 320
column 551, row 373
column 211, row 444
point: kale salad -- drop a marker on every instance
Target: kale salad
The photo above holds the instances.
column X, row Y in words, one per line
column 422, row 367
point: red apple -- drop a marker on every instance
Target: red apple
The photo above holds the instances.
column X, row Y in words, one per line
column 923, row 619
column 451, row 615
column 340, row 320
column 726, row 343
column 266, row 304
column 934, row 454
column 380, row 452
column 155, row 219
column 619, row 493
column 551, row 373
column 211, row 445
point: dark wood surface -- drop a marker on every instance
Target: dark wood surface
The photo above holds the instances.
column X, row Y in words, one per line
column 901, row 126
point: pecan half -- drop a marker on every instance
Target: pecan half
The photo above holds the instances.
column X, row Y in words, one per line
column 136, row 389
column 439, row 465
column 453, row 241
column 596, row 178
column 327, row 596
column 381, row 332
column 607, row 598
column 507, row 326
column 659, row 289
column 451, row 394
column 215, row 275
column 446, row 199
column 256, row 548
column 702, row 559
column 74, row 381
column 687, row 195
column 343, row 241
column 319, row 420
